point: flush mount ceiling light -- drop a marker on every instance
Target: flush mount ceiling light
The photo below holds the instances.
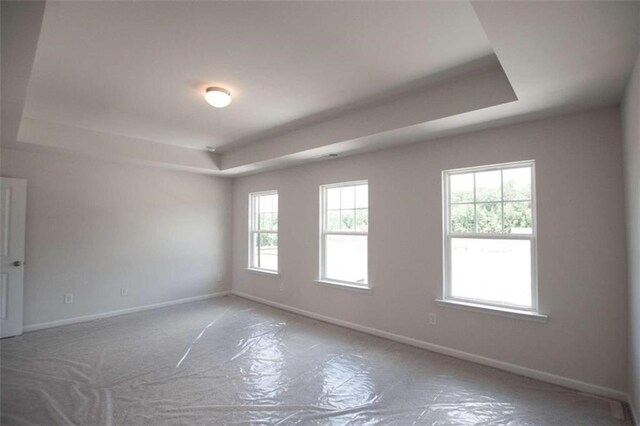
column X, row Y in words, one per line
column 218, row 97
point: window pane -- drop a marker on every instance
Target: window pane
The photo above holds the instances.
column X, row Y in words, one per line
column 517, row 218
column 262, row 221
column 461, row 187
column 517, row 184
column 348, row 197
column 264, row 204
column 333, row 198
column 346, row 258
column 264, row 245
column 489, row 217
column 347, row 220
column 254, row 251
column 333, row 220
column 488, row 186
column 268, row 222
column 362, row 220
column 462, row 219
column 496, row 271
column 265, row 251
column 362, row 196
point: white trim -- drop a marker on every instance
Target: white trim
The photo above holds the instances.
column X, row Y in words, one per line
column 254, row 228
column 491, row 167
column 501, row 365
column 344, row 285
column 263, row 271
column 494, row 310
column 474, row 236
column 448, row 235
column 348, row 233
column 85, row 318
column 322, row 267
column 260, row 193
column 349, row 183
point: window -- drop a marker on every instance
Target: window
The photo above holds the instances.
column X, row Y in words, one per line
column 344, row 231
column 490, row 236
column 263, row 231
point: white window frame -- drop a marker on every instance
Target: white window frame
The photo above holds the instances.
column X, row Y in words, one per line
column 323, row 279
column 448, row 235
column 253, row 230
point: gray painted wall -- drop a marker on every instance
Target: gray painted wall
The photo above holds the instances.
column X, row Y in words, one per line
column 631, row 120
column 94, row 227
column 581, row 245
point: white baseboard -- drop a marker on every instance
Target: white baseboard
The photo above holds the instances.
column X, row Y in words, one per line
column 513, row 368
column 506, row 366
column 84, row 318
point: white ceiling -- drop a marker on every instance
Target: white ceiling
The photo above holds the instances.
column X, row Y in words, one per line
column 564, row 51
column 139, row 69
column 125, row 79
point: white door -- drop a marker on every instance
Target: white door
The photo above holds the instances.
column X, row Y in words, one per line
column 13, row 208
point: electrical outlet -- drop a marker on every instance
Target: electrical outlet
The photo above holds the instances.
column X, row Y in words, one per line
column 68, row 298
column 433, row 319
column 281, row 286
column 124, row 291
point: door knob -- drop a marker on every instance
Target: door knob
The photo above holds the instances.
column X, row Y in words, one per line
column 17, row 263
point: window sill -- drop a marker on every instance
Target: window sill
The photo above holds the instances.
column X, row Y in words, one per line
column 494, row 310
column 345, row 286
column 263, row 272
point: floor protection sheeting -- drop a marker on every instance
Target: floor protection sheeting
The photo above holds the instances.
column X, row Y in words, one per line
column 229, row 360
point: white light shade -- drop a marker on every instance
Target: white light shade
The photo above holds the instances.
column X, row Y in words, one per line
column 218, row 97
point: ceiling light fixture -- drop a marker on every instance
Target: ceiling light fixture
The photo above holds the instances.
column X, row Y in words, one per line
column 218, row 97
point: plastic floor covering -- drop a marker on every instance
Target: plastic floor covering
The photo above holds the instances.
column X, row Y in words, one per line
column 232, row 361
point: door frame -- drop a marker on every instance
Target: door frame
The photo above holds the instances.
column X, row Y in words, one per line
column 12, row 250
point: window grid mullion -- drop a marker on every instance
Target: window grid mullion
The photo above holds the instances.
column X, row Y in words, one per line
column 449, row 235
column 475, row 207
column 355, row 234
column 493, row 236
column 502, row 199
column 355, row 222
column 325, row 232
column 255, row 228
column 465, row 203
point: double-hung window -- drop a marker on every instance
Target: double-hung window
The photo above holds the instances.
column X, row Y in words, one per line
column 344, row 227
column 490, row 236
column 263, row 231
